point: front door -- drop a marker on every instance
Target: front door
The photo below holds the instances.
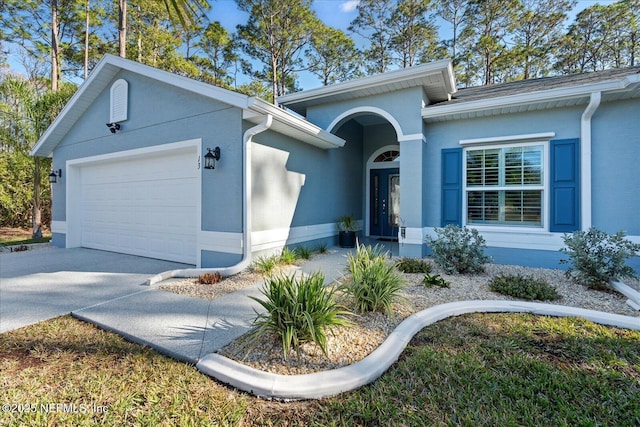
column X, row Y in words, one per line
column 385, row 203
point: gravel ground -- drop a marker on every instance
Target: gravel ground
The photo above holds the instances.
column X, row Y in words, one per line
column 347, row 345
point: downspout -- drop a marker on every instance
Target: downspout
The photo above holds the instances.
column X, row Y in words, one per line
column 246, row 215
column 585, row 160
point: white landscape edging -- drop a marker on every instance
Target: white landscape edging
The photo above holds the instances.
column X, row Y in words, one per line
column 629, row 292
column 328, row 383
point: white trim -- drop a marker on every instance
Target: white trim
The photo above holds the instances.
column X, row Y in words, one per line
column 413, row 236
column 218, row 241
column 118, row 101
column 412, row 137
column 280, row 237
column 59, row 227
column 73, row 182
column 515, row 238
column 509, row 138
column 376, row 165
column 545, row 190
column 500, row 102
column 443, row 67
column 368, row 109
column 585, row 160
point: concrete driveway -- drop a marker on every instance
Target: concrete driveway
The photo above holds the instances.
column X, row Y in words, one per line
column 41, row 284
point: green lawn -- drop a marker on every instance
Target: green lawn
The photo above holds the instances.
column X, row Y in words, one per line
column 472, row 370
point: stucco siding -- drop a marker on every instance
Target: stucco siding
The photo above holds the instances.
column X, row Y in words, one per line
column 404, row 106
column 161, row 114
column 615, row 162
column 297, row 185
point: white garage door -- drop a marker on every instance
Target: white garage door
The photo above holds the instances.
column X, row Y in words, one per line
column 144, row 206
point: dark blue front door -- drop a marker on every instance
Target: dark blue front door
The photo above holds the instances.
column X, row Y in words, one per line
column 384, row 202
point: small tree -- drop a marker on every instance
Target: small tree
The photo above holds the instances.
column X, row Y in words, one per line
column 598, row 257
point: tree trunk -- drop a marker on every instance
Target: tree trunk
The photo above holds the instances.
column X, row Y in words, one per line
column 122, row 28
column 37, row 213
column 55, row 48
column 86, row 42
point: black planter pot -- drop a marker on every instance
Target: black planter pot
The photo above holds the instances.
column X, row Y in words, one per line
column 347, row 239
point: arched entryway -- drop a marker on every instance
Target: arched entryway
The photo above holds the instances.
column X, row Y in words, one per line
column 378, row 134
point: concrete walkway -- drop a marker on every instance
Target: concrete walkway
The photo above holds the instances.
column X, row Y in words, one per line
column 40, row 284
column 187, row 328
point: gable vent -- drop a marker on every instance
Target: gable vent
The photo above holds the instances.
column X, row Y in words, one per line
column 119, row 101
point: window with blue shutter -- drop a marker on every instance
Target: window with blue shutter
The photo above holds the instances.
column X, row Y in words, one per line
column 564, row 199
column 452, row 186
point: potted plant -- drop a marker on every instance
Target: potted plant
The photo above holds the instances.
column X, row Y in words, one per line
column 347, row 235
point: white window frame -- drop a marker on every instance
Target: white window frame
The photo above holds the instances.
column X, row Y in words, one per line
column 544, row 227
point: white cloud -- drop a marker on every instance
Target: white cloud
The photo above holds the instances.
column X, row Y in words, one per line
column 349, row 5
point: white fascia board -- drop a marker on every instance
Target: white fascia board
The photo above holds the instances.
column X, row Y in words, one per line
column 509, row 138
column 316, row 136
column 389, row 77
column 528, row 98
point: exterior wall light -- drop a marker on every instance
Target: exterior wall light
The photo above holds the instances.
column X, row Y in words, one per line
column 113, row 127
column 211, row 157
column 54, row 175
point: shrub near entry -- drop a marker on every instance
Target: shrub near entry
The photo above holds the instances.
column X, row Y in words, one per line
column 458, row 250
column 598, row 257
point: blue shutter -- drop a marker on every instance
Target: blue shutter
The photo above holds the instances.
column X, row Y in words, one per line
column 452, row 186
column 565, row 185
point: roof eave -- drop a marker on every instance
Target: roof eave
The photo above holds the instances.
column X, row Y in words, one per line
column 443, row 66
column 311, row 133
column 443, row 112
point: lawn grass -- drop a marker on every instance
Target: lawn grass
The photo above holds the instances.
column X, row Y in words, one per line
column 18, row 236
column 485, row 369
column 497, row 370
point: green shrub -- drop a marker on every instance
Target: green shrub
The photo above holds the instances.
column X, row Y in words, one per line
column 598, row 257
column 375, row 284
column 210, row 278
column 430, row 280
column 288, row 256
column 298, row 311
column 523, row 287
column 458, row 250
column 265, row 265
column 413, row 265
column 303, row 252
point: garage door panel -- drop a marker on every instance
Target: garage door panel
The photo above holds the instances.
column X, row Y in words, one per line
column 144, row 206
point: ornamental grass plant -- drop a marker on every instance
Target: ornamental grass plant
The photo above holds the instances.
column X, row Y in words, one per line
column 375, row 283
column 298, row 311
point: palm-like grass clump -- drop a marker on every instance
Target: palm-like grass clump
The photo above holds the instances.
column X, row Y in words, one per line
column 299, row 311
column 375, row 284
